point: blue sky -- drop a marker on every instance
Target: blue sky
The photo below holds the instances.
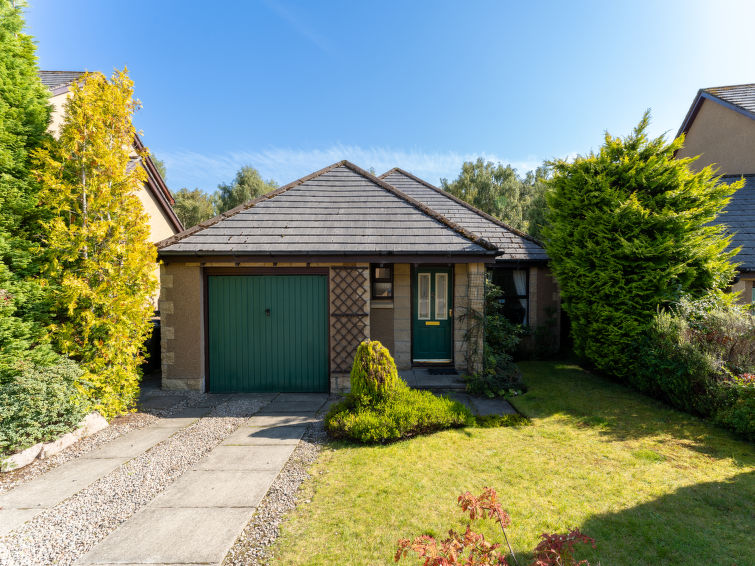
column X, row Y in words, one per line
column 290, row 87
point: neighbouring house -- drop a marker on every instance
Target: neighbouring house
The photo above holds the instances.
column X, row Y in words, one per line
column 155, row 196
column 720, row 128
column 276, row 294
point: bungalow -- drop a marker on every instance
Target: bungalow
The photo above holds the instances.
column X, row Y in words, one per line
column 276, row 294
column 720, row 128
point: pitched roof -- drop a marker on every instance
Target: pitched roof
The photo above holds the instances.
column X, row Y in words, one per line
column 740, row 98
column 55, row 79
column 339, row 210
column 740, row 218
column 515, row 245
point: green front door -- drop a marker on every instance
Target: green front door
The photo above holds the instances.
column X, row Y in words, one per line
column 268, row 333
column 432, row 320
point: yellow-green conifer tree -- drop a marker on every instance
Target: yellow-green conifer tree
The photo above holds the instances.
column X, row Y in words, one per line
column 101, row 263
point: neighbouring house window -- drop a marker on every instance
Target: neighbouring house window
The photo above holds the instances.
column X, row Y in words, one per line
column 423, row 296
column 441, row 296
column 515, row 286
column 382, row 281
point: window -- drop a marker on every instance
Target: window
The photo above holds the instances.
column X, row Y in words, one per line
column 441, row 296
column 423, row 296
column 514, row 284
column 382, row 281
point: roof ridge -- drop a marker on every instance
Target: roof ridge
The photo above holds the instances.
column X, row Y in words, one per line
column 422, row 207
column 242, row 207
column 729, row 86
column 464, row 203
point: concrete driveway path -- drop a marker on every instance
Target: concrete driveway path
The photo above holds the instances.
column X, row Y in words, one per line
column 32, row 498
column 197, row 519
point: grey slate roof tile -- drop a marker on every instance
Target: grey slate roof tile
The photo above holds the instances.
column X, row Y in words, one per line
column 514, row 245
column 54, row 79
column 738, row 95
column 339, row 210
column 740, row 219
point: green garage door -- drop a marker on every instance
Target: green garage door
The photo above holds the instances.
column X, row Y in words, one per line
column 268, row 333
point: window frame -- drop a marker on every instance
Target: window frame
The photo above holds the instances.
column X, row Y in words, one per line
column 374, row 279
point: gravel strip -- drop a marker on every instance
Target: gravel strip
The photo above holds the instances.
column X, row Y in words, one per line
column 251, row 548
column 62, row 534
column 118, row 427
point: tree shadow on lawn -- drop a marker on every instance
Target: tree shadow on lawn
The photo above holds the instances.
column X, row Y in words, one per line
column 620, row 413
column 706, row 523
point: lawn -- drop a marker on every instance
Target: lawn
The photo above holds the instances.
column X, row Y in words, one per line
column 652, row 485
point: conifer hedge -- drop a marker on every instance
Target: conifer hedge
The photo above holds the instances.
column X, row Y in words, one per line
column 628, row 233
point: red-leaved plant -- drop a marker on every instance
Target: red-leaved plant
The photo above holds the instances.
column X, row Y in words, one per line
column 471, row 549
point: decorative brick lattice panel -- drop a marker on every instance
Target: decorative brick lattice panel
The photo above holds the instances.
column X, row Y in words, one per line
column 349, row 310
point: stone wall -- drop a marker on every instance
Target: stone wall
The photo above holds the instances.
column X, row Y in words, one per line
column 402, row 316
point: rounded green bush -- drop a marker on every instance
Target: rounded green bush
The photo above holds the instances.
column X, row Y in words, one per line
column 374, row 372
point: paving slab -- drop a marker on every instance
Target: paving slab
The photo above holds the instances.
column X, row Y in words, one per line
column 58, row 484
column 183, row 418
column 160, row 401
column 250, row 436
column 134, row 443
column 492, row 406
column 258, row 457
column 11, row 519
column 217, row 488
column 165, row 535
column 279, row 420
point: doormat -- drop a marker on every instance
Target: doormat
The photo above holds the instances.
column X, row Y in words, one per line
column 442, row 371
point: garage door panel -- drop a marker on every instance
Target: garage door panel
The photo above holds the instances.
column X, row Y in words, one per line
column 268, row 333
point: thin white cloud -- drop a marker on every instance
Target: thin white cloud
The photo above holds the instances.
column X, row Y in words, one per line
column 300, row 27
column 191, row 169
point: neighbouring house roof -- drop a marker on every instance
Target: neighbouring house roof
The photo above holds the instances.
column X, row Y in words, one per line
column 515, row 245
column 740, row 218
column 59, row 82
column 341, row 210
column 740, row 98
column 55, row 79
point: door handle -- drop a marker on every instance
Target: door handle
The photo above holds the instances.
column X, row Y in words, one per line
column 450, row 313
column 267, row 312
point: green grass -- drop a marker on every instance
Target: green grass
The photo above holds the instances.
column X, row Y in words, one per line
column 652, row 485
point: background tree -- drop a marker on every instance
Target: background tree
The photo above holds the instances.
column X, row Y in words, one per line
column 24, row 116
column 193, row 207
column 628, row 233
column 100, row 261
column 160, row 166
column 498, row 190
column 247, row 185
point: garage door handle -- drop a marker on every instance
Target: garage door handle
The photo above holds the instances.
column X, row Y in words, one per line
column 267, row 312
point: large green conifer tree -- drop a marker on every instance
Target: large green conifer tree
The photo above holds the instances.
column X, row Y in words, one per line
column 24, row 116
column 629, row 232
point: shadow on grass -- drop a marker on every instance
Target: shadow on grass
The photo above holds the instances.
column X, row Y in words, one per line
column 620, row 413
column 707, row 523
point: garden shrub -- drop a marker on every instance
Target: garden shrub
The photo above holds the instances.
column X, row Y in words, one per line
column 374, row 372
column 699, row 356
column 40, row 403
column 499, row 376
column 471, row 549
column 405, row 412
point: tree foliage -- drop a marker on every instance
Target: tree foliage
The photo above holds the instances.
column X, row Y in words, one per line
column 24, row 115
column 193, row 207
column 100, row 262
column 628, row 233
column 497, row 190
column 247, row 185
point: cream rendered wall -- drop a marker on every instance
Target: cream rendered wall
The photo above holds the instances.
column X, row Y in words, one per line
column 723, row 137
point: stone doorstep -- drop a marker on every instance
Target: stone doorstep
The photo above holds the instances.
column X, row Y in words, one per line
column 196, row 535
